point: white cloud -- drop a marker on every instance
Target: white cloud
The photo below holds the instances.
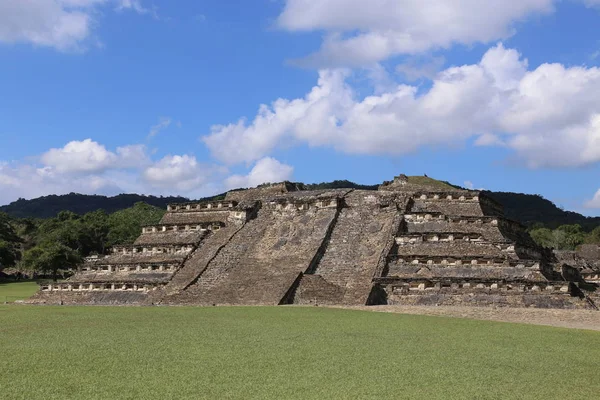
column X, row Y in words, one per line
column 594, row 202
column 489, row 139
column 88, row 156
column 421, row 67
column 591, row 3
column 65, row 25
column 469, row 185
column 312, row 118
column 549, row 116
column 28, row 181
column 361, row 32
column 88, row 167
column 266, row 170
column 135, row 5
column 183, row 173
column 163, row 123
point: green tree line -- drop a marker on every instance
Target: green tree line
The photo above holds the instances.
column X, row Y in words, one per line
column 48, row 246
column 565, row 237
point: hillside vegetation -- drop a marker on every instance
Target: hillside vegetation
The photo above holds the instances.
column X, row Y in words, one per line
column 531, row 209
column 52, row 245
column 50, row 206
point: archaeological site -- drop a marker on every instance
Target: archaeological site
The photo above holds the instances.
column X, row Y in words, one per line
column 409, row 242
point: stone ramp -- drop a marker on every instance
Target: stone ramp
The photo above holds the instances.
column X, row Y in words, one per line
column 361, row 234
column 252, row 282
column 262, row 261
column 315, row 290
column 197, row 262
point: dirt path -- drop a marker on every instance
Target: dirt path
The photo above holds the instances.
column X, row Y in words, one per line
column 579, row 319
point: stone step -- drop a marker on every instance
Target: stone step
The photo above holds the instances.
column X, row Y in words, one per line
column 262, row 262
column 198, row 261
column 360, row 237
column 315, row 290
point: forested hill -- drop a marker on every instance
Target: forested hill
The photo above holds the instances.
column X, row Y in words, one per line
column 50, row 206
column 528, row 209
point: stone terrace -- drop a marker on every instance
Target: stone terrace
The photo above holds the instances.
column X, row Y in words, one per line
column 415, row 241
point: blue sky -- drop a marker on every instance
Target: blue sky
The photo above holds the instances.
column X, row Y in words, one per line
column 196, row 97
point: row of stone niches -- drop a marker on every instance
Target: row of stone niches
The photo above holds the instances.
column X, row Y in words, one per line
column 430, row 217
column 591, row 276
column 438, row 237
column 205, row 206
column 461, row 261
column 499, row 286
column 301, row 205
column 438, row 196
column 211, row 226
column 130, row 268
column 95, row 287
column 141, row 250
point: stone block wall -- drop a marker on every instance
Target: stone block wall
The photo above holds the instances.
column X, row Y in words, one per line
column 264, row 258
column 485, row 293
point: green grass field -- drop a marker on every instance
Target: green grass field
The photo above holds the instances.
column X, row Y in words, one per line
column 53, row 352
column 10, row 292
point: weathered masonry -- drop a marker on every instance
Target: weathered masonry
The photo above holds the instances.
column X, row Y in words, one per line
column 405, row 243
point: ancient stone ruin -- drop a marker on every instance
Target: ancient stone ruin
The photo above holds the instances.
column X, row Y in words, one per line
column 407, row 243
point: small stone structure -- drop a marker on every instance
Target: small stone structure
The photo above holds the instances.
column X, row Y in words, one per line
column 405, row 243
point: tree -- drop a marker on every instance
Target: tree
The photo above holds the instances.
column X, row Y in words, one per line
column 565, row 237
column 64, row 229
column 51, row 258
column 27, row 230
column 594, row 236
column 9, row 243
column 543, row 237
column 124, row 225
column 573, row 236
column 95, row 229
column 87, row 234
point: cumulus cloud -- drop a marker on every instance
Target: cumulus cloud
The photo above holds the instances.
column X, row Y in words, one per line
column 488, row 139
column 182, row 173
column 61, row 24
column 549, row 116
column 421, row 67
column 89, row 167
column 266, row 170
column 594, row 202
column 312, row 118
column 79, row 166
column 28, row 181
column 89, row 156
column 361, row 32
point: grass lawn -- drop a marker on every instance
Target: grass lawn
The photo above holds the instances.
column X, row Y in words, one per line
column 53, row 352
column 9, row 292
